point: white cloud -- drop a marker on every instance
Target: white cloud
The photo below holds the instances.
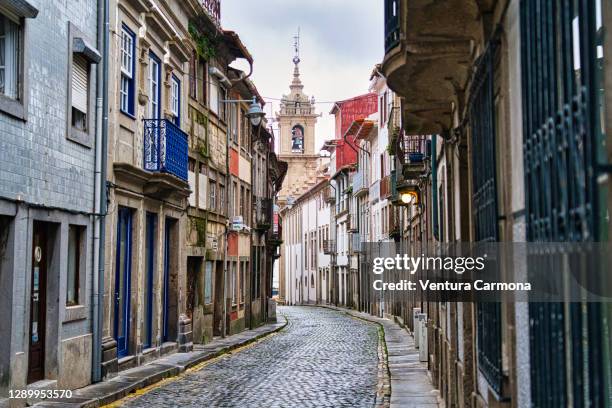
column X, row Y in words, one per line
column 341, row 41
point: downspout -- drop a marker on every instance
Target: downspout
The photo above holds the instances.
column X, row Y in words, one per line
column 228, row 186
column 100, row 199
column 434, row 185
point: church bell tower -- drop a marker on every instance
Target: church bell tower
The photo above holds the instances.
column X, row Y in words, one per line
column 297, row 120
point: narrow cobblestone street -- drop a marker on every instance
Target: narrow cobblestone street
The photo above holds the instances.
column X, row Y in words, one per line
column 322, row 358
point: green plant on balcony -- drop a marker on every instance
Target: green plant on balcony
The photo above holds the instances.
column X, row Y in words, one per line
column 349, row 190
column 206, row 47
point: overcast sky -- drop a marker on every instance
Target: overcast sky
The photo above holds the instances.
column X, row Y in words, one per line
column 341, row 41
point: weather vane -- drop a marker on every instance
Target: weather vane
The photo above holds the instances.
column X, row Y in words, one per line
column 296, row 46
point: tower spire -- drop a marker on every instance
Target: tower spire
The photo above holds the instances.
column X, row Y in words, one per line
column 296, row 84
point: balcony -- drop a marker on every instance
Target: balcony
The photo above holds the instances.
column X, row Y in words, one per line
column 329, row 194
column 329, row 246
column 213, row 8
column 263, row 213
column 359, row 183
column 351, row 223
column 427, row 53
column 411, row 151
column 165, row 148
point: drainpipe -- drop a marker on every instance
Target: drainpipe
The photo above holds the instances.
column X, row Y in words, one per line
column 228, row 186
column 434, row 185
column 100, row 199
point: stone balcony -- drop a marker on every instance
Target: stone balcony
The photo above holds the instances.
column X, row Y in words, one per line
column 428, row 56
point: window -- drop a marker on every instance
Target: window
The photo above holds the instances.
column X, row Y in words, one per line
column 243, row 268
column 212, row 198
column 10, row 68
column 234, row 286
column 247, row 212
column 74, row 265
column 208, row 283
column 80, row 92
column 222, row 105
column 233, row 122
column 202, row 79
column 154, row 89
column 244, row 130
column 235, row 198
column 175, row 100
column 127, row 90
column 222, row 198
column 242, row 203
column 214, row 96
column 193, row 76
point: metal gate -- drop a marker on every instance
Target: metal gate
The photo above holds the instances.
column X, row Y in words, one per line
column 560, row 112
column 484, row 205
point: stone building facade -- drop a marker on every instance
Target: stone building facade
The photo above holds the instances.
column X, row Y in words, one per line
column 47, row 159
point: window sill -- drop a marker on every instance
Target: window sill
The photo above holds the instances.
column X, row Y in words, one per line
column 75, row 313
column 80, row 137
column 13, row 107
column 129, row 115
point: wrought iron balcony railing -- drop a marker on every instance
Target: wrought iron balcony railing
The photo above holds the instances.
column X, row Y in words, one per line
column 263, row 213
column 392, row 24
column 213, row 8
column 165, row 148
column 329, row 246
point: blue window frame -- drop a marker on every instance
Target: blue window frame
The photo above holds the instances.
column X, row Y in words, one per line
column 150, row 251
column 127, row 88
column 123, row 269
column 175, row 100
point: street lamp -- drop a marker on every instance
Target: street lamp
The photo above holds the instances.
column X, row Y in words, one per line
column 408, row 197
column 255, row 113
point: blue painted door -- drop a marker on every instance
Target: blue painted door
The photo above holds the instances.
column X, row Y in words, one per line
column 167, row 229
column 149, row 277
column 122, row 281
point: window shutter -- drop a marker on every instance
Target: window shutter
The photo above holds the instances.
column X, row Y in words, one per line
column 79, row 82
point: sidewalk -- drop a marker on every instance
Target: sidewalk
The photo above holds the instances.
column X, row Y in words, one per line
column 410, row 384
column 131, row 380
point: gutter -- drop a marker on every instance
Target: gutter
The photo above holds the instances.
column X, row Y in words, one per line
column 100, row 199
column 434, row 185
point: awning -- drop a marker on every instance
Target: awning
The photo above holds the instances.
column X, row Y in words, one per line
column 81, row 46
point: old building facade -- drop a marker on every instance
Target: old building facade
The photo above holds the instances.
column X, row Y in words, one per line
column 48, row 142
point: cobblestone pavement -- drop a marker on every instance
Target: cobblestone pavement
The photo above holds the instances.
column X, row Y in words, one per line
column 323, row 358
